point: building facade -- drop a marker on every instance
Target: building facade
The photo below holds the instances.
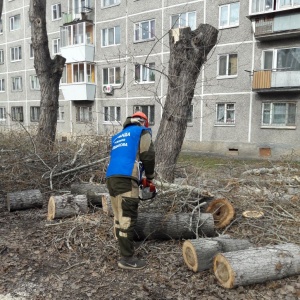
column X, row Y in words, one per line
column 246, row 100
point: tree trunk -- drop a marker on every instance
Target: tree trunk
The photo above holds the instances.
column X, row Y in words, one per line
column 24, row 200
column 257, row 265
column 66, row 206
column 222, row 211
column 198, row 254
column 93, row 192
column 106, row 205
column 49, row 72
column 173, row 226
column 188, row 52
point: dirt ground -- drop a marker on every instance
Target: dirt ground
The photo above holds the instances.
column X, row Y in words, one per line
column 76, row 258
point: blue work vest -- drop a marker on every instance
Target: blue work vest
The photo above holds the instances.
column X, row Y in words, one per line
column 123, row 152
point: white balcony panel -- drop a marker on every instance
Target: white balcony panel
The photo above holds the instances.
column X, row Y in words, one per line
column 78, row 53
column 79, row 91
column 285, row 79
column 289, row 22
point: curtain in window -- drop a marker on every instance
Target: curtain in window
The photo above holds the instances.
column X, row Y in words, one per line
column 232, row 68
column 220, row 113
column 112, row 76
column 137, row 73
column 145, row 74
column 288, row 59
column 234, row 13
column 145, row 30
column 117, row 75
column 268, row 60
column 111, row 35
column 222, row 65
column 291, row 114
column 279, row 113
column 151, row 72
column 152, row 29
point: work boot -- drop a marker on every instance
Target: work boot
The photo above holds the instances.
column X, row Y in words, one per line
column 131, row 263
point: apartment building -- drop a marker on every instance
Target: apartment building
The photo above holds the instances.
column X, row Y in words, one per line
column 246, row 100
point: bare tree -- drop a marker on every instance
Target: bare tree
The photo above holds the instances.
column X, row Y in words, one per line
column 49, row 72
column 188, row 52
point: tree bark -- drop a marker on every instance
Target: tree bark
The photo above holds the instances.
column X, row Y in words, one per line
column 66, row 206
column 222, row 211
column 173, row 226
column 198, row 254
column 257, row 265
column 49, row 72
column 106, row 204
column 188, row 52
column 92, row 191
column 24, row 200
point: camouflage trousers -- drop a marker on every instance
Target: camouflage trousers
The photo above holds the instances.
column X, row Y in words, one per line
column 125, row 208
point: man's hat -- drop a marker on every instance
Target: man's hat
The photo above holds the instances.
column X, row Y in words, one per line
column 141, row 115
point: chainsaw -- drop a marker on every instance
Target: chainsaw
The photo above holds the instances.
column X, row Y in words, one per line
column 147, row 189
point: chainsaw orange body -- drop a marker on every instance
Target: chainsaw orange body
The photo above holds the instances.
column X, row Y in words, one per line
column 146, row 183
column 147, row 189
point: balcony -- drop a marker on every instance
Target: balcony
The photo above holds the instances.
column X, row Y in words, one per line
column 277, row 24
column 276, row 81
column 79, row 91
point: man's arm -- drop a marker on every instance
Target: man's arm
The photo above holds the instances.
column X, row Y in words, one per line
column 147, row 154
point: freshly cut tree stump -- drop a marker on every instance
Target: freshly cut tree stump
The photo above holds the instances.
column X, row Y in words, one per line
column 162, row 226
column 66, row 206
column 24, row 200
column 198, row 254
column 93, row 192
column 222, row 210
column 106, row 204
column 257, row 265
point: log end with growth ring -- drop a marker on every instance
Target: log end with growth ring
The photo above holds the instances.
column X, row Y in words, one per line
column 222, row 211
column 190, row 255
column 51, row 209
column 223, row 271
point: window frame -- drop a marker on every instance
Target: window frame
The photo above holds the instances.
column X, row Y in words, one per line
column 81, row 114
column 61, row 113
column 148, row 68
column 2, row 85
column 35, row 112
column 112, row 114
column 227, row 55
column 34, row 83
column 262, row 7
column 187, row 21
column 56, row 44
column 17, row 110
column 19, row 83
column 31, row 51
column 105, row 38
column 15, row 52
column 13, row 20
column 116, row 2
column 1, row 56
column 2, row 113
column 148, row 110
column 109, row 75
column 271, row 110
column 138, row 31
column 229, row 24
column 292, row 5
column 228, row 121
column 56, row 8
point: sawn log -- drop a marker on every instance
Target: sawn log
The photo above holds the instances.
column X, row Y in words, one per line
column 163, row 226
column 257, row 265
column 198, row 254
column 24, row 200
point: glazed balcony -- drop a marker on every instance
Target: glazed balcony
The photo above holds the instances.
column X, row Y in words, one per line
column 276, row 80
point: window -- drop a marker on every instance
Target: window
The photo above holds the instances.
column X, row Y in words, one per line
column 225, row 113
column 78, row 72
column 288, row 3
column 1, row 26
column 190, row 114
column 2, row 114
column 82, row 6
column 14, row 22
column 184, row 20
column 227, row 65
column 17, row 83
column 56, row 46
column 56, row 11
column 148, row 110
column 262, row 6
column 111, row 36
column 112, row 113
column 34, row 113
column 15, row 53
column 83, row 114
column 34, row 82
column 79, row 33
column 17, row 113
column 279, row 114
column 282, row 59
column 145, row 73
column 144, row 31
column 2, row 85
column 229, row 15
column 106, row 3
column 1, row 56
column 111, row 76
column 31, row 51
column 61, row 113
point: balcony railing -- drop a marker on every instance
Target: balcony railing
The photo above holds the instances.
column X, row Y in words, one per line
column 271, row 27
column 82, row 13
column 276, row 80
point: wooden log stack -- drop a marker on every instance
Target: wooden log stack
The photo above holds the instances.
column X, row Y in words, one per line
column 198, row 254
column 257, row 265
column 24, row 200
